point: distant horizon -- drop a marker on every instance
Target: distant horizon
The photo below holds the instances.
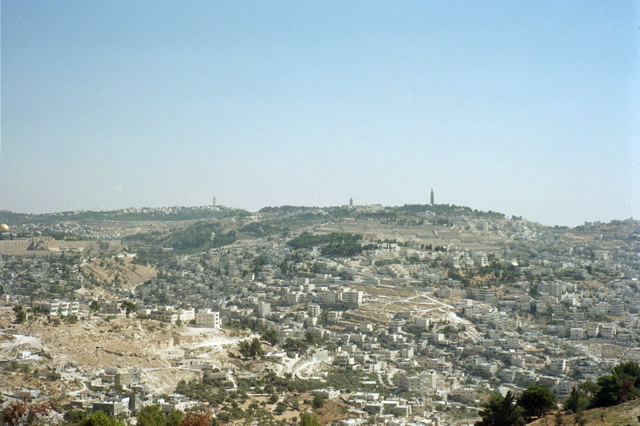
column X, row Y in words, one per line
column 531, row 109
column 507, row 216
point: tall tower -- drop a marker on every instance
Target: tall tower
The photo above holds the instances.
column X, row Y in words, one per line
column 432, row 198
column 214, row 201
column 350, row 202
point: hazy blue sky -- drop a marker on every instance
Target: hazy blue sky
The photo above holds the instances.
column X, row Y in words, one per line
column 529, row 108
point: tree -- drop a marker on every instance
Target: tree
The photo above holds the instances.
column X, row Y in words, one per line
column 577, row 401
column 281, row 407
column 295, row 345
column 501, row 411
column 245, row 348
column 22, row 413
column 196, row 419
column 75, row 416
column 318, row 401
column 629, row 374
column 629, row 369
column 100, row 418
column 310, row 338
column 308, row 419
column 256, row 348
column 94, row 306
column 620, row 386
column 536, row 401
column 21, row 315
column 588, row 387
column 151, row 415
column 128, row 306
column 175, row 418
column 271, row 337
column 251, row 349
column 609, row 388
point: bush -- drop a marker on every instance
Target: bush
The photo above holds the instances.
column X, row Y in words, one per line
column 537, row 401
column 318, row 401
column 281, row 407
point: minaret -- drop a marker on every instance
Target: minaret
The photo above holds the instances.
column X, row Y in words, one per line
column 432, row 198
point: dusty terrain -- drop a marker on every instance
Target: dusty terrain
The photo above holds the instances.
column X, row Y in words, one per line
column 623, row 414
column 393, row 301
column 97, row 343
column 119, row 270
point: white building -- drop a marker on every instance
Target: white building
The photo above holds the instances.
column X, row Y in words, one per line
column 576, row 333
column 59, row 307
column 264, row 309
column 616, row 309
column 558, row 366
column 512, row 342
column 608, row 331
column 171, row 315
column 343, row 360
column 208, row 318
column 330, row 297
column 352, row 297
column 425, row 382
column 292, row 298
column 422, row 322
column 464, row 394
column 563, row 388
column 314, row 310
column 481, row 260
column 334, row 316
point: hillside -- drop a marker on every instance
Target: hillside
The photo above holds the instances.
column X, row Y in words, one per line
column 120, row 272
column 98, row 343
column 623, row 414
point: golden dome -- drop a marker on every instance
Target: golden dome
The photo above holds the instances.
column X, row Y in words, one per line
column 4, row 228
